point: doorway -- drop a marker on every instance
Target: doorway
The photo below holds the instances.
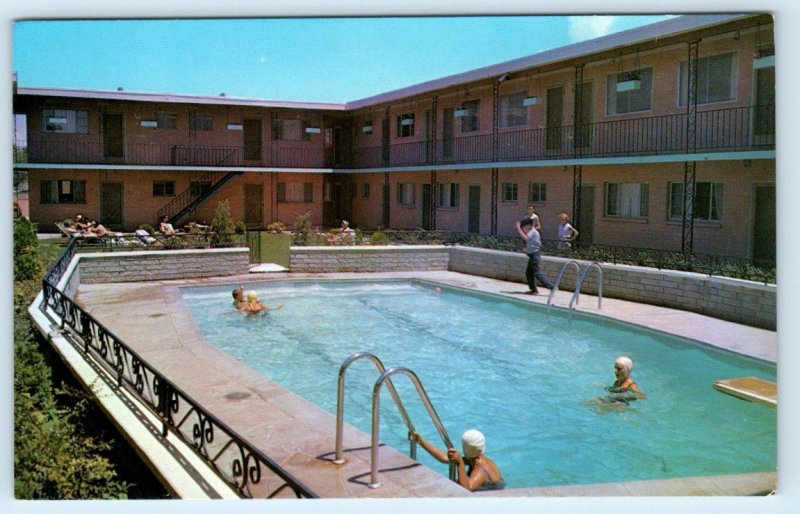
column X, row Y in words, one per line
column 586, row 222
column 253, row 206
column 111, row 197
column 252, row 140
column 426, row 207
column 764, row 245
column 554, row 120
column 112, row 136
column 474, row 210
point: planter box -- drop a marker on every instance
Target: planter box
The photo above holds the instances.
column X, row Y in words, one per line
column 272, row 248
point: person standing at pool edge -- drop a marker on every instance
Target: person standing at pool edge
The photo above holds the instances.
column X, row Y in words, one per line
column 533, row 247
column 566, row 232
column 483, row 473
column 531, row 216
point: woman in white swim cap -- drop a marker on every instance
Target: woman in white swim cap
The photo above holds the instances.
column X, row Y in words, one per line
column 624, row 382
column 474, row 469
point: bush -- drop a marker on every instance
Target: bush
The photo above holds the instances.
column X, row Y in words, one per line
column 223, row 225
column 302, row 228
column 26, row 251
column 276, row 227
column 240, row 227
column 149, row 228
column 379, row 238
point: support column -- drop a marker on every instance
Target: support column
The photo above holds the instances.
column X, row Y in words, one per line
column 577, row 145
column 495, row 122
column 495, row 173
column 433, row 200
column 687, row 235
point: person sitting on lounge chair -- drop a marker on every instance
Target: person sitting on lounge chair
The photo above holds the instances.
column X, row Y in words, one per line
column 166, row 227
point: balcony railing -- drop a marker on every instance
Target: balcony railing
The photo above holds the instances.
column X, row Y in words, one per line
column 724, row 130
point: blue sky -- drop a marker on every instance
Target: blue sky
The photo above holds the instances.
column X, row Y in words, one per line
column 301, row 59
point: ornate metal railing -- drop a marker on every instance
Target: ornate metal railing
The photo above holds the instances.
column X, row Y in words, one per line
column 720, row 130
column 234, row 459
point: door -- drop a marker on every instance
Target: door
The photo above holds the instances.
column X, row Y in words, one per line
column 447, row 133
column 111, row 204
column 474, row 216
column 764, row 116
column 426, row 207
column 586, row 223
column 764, row 225
column 253, row 206
column 112, row 136
column 252, row 140
column 554, row 120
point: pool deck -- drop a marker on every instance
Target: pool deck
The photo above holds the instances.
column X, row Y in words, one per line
column 151, row 318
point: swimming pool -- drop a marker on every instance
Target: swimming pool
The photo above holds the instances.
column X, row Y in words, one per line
column 504, row 367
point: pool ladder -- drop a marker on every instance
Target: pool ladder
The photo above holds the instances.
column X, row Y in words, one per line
column 376, row 390
column 580, row 277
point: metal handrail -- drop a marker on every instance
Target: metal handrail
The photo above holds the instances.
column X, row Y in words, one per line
column 376, row 393
column 339, row 459
column 576, row 295
column 558, row 280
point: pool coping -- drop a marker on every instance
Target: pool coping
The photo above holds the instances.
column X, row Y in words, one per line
column 270, row 420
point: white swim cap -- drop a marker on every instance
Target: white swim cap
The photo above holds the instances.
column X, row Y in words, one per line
column 626, row 363
column 473, row 443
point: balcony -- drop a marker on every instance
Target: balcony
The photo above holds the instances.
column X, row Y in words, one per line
column 724, row 130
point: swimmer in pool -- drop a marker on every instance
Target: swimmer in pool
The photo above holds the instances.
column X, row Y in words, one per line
column 238, row 297
column 624, row 383
column 482, row 472
column 253, row 305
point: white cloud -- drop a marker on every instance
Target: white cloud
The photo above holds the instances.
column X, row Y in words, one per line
column 582, row 28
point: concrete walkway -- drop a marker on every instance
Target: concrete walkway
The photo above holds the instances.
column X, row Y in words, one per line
column 151, row 318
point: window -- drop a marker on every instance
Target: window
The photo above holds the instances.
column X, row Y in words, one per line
column 202, row 122
column 509, row 191
column 715, row 79
column 290, row 130
column 199, row 187
column 166, row 121
column 295, row 192
column 626, row 199
column 366, row 128
column 470, row 122
column 512, row 112
column 620, row 102
column 327, row 192
column 163, row 188
column 365, row 190
column 405, row 125
column 537, row 192
column 707, row 201
column 447, row 195
column 65, row 121
column 62, row 191
column 405, row 193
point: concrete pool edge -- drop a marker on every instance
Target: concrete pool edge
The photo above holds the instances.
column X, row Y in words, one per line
column 450, row 279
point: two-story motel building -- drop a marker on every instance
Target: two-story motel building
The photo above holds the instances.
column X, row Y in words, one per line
column 658, row 137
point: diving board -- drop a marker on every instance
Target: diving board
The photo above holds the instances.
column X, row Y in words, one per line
column 751, row 389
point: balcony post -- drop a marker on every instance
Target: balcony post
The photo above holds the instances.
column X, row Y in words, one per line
column 577, row 145
column 495, row 173
column 687, row 234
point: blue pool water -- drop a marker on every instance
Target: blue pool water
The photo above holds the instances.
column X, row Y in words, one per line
column 525, row 380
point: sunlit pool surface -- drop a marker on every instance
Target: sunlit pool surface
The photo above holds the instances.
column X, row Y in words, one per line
column 526, row 380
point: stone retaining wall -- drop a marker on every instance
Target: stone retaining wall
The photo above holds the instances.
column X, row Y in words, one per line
column 730, row 299
column 323, row 259
column 97, row 268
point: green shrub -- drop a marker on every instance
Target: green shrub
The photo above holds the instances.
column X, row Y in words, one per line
column 26, row 251
column 379, row 238
column 302, row 228
column 276, row 227
column 149, row 228
column 240, row 227
column 223, row 225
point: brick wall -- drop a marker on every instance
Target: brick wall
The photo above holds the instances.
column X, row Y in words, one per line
column 97, row 268
column 369, row 258
column 724, row 298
